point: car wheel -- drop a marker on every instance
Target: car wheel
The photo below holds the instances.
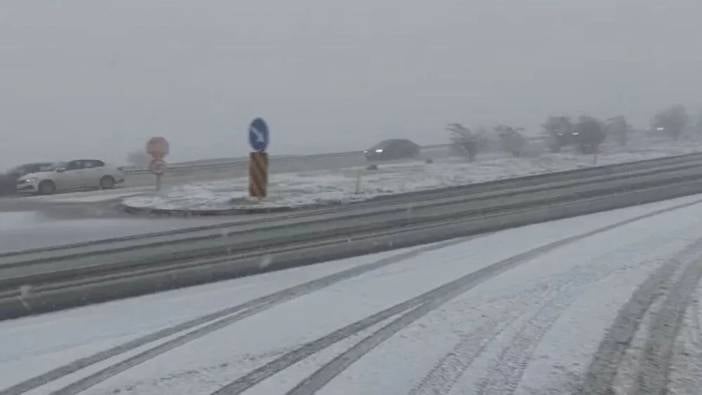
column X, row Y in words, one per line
column 107, row 182
column 47, row 187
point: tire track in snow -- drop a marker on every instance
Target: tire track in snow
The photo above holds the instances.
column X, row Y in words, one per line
column 654, row 363
column 654, row 373
column 696, row 330
column 446, row 372
column 506, row 373
column 449, row 369
column 256, row 376
column 686, row 367
column 213, row 322
column 411, row 310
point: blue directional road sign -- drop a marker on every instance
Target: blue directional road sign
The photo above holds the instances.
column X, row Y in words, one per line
column 258, row 135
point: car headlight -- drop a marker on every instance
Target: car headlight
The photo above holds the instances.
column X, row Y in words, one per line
column 379, row 150
column 28, row 181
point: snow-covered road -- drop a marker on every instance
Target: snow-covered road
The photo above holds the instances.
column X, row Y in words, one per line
column 609, row 300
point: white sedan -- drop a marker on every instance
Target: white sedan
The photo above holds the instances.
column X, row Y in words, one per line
column 72, row 175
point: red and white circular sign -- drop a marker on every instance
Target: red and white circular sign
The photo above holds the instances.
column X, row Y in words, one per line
column 157, row 166
column 157, row 147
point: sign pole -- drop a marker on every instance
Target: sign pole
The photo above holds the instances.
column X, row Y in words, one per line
column 158, row 167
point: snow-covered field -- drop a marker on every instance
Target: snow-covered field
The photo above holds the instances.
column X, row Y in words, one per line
column 526, row 311
column 357, row 184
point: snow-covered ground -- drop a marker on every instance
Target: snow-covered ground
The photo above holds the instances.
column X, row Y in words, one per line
column 357, row 184
column 525, row 311
column 89, row 196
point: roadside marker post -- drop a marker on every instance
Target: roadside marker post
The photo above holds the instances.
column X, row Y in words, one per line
column 258, row 175
column 158, row 148
column 259, row 138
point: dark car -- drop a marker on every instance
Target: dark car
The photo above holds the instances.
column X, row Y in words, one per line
column 8, row 180
column 392, row 149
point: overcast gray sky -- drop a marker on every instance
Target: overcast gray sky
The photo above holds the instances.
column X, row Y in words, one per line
column 95, row 78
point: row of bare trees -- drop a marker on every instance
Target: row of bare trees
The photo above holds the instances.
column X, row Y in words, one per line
column 586, row 133
column 467, row 142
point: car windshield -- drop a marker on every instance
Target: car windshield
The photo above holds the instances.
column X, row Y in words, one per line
column 351, row 197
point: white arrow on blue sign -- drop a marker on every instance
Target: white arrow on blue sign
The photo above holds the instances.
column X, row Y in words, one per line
column 258, row 135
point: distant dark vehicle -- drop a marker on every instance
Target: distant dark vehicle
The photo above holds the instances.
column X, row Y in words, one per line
column 8, row 180
column 392, row 149
column 560, row 139
column 560, row 131
column 586, row 135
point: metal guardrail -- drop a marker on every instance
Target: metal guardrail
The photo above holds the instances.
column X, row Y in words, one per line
column 216, row 164
column 189, row 167
column 225, row 163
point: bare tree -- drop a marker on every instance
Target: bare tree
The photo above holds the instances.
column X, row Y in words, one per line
column 511, row 140
column 463, row 140
column 671, row 121
column 589, row 134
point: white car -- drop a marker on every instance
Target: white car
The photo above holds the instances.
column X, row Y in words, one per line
column 72, row 175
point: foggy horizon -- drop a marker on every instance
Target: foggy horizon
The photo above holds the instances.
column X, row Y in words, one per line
column 96, row 79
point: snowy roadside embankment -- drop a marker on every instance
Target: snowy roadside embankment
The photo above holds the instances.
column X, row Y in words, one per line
column 313, row 188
